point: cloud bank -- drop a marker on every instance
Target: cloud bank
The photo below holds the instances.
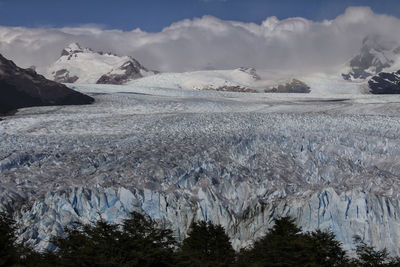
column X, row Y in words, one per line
column 291, row 44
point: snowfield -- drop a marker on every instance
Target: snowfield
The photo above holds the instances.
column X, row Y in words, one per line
column 238, row 159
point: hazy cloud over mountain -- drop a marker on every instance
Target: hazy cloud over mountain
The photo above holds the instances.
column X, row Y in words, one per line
column 208, row 42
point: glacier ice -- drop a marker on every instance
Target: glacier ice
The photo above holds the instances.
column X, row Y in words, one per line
column 234, row 159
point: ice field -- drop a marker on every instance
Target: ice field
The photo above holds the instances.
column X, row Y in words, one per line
column 238, row 159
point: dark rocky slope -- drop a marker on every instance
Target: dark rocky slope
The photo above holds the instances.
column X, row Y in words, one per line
column 131, row 70
column 25, row 88
column 291, row 86
column 385, row 83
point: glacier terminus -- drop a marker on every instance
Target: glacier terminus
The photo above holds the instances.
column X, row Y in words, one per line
column 237, row 159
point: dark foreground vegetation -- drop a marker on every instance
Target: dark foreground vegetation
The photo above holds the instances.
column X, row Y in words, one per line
column 138, row 241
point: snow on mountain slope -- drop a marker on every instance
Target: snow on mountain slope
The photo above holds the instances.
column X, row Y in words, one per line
column 376, row 69
column 376, row 54
column 200, row 80
column 181, row 155
column 333, row 84
column 317, row 84
column 83, row 65
column 246, row 78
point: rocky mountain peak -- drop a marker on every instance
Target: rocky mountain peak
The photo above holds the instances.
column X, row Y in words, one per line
column 376, row 54
column 251, row 71
column 71, row 49
column 6, row 65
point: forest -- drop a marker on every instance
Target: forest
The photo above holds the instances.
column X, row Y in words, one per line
column 139, row 241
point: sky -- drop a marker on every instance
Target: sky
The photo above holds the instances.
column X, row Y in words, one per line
column 154, row 15
column 187, row 35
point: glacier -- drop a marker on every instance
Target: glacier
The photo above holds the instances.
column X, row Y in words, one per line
column 237, row 159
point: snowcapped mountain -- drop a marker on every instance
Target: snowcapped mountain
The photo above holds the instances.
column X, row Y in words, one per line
column 83, row 65
column 376, row 55
column 377, row 67
column 25, row 88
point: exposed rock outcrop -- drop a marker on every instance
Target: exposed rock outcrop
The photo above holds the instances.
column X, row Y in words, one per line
column 251, row 71
column 25, row 88
column 292, row 86
column 385, row 83
column 130, row 70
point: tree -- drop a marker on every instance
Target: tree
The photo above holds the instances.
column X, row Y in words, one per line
column 8, row 251
column 285, row 227
column 286, row 245
column 206, row 245
column 87, row 245
column 283, row 245
column 368, row 256
column 326, row 250
column 143, row 243
column 137, row 242
column 13, row 254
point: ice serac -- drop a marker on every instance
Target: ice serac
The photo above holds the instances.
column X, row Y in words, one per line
column 83, row 65
column 376, row 54
column 25, row 88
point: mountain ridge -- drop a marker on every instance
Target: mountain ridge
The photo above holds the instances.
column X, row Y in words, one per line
column 25, row 88
column 376, row 55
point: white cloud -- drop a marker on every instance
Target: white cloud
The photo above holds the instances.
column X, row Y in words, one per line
column 292, row 44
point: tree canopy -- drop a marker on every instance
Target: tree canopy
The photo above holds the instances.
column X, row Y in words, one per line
column 206, row 245
column 139, row 241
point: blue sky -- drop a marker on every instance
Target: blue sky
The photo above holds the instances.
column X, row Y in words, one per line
column 153, row 15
